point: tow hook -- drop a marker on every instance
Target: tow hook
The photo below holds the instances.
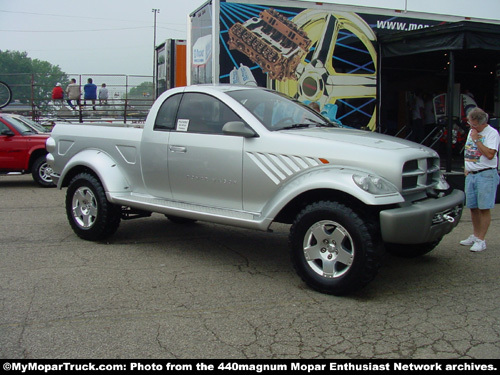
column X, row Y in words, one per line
column 449, row 218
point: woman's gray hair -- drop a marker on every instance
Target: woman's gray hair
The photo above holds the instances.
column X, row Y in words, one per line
column 477, row 114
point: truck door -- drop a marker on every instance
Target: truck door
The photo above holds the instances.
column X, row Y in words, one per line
column 205, row 166
column 154, row 149
column 13, row 150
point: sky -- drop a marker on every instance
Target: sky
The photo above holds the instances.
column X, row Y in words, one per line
column 117, row 36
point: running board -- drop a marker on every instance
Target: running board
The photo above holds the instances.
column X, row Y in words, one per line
column 149, row 203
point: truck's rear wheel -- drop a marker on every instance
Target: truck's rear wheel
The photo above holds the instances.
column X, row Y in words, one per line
column 89, row 213
column 333, row 249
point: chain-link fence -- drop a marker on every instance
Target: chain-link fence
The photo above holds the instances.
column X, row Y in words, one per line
column 129, row 97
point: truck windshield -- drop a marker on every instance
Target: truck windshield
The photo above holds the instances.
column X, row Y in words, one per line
column 276, row 111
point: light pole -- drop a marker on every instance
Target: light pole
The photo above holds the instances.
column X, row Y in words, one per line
column 155, row 11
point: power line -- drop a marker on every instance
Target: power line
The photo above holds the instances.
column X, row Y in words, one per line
column 91, row 30
column 82, row 17
column 75, row 31
column 65, row 16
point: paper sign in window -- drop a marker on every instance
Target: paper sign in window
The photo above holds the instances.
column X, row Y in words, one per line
column 182, row 125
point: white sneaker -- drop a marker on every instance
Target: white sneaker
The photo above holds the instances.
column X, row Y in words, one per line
column 479, row 245
column 469, row 241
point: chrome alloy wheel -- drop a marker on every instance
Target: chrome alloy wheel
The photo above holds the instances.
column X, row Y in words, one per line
column 328, row 249
column 44, row 172
column 84, row 207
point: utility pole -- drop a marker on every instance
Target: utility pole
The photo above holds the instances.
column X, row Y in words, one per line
column 155, row 11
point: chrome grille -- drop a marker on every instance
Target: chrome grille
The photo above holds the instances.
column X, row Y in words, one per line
column 420, row 174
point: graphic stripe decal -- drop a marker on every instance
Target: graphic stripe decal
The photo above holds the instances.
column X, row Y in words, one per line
column 278, row 167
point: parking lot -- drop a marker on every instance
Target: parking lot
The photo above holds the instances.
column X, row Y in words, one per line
column 162, row 290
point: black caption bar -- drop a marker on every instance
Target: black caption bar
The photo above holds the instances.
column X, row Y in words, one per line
column 250, row 366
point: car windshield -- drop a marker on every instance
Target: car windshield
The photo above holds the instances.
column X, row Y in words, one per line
column 277, row 111
column 19, row 125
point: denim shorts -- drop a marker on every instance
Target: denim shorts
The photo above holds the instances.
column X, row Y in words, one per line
column 481, row 189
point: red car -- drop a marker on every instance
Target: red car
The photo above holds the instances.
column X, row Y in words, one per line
column 23, row 150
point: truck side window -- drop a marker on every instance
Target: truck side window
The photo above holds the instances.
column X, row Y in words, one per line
column 165, row 119
column 200, row 113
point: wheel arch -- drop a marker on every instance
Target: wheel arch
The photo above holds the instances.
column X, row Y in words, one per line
column 98, row 164
column 288, row 213
column 34, row 155
column 329, row 184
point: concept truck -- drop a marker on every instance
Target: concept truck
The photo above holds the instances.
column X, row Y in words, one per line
column 248, row 157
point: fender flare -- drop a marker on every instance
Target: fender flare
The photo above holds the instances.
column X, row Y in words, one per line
column 107, row 170
column 333, row 178
column 33, row 154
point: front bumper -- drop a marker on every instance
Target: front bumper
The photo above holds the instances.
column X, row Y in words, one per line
column 423, row 221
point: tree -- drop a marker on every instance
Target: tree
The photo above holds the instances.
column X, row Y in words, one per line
column 140, row 97
column 143, row 91
column 29, row 78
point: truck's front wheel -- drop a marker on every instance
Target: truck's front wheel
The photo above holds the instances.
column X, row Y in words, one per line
column 333, row 249
column 89, row 213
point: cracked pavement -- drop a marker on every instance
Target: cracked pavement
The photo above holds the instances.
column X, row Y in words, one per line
column 162, row 290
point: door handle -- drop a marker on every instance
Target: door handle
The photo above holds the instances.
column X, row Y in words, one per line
column 181, row 149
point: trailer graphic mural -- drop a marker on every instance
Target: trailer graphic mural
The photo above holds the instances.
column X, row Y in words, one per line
column 311, row 55
column 315, row 54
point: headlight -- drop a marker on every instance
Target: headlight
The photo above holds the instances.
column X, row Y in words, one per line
column 374, row 185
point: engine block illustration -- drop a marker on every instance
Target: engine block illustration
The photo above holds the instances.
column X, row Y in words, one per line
column 271, row 41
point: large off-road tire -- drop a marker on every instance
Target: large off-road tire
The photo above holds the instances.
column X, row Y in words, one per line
column 333, row 249
column 411, row 251
column 41, row 172
column 89, row 213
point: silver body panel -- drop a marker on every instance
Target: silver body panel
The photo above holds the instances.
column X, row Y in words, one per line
column 247, row 181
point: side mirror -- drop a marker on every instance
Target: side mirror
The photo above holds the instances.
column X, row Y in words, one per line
column 8, row 132
column 238, row 128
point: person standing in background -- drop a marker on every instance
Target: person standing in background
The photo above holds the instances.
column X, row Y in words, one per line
column 481, row 160
column 429, row 119
column 417, row 118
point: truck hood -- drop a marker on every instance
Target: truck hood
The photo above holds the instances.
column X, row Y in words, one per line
column 379, row 154
column 357, row 137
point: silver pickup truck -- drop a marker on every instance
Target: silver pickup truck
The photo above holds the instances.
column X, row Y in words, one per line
column 248, row 157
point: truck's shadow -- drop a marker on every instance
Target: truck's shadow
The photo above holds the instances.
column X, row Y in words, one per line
column 265, row 252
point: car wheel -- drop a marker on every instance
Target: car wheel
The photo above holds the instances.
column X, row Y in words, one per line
column 41, row 172
column 90, row 214
column 333, row 249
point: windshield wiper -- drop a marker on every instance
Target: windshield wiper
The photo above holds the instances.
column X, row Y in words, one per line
column 308, row 124
column 296, row 126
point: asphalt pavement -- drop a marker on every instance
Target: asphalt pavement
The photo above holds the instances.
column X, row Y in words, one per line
column 162, row 290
